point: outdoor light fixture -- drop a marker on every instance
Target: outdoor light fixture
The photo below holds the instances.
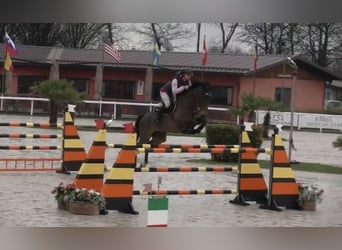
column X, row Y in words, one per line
column 291, row 63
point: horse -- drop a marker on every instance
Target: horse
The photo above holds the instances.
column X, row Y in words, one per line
column 188, row 115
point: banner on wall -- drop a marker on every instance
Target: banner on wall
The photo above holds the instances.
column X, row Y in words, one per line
column 140, row 88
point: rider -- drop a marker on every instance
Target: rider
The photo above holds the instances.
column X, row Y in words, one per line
column 179, row 83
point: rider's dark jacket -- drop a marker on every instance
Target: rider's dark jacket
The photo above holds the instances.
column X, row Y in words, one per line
column 168, row 88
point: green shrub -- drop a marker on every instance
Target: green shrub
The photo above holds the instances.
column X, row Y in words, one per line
column 338, row 143
column 230, row 135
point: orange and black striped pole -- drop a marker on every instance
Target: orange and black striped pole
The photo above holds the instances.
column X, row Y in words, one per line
column 251, row 184
column 118, row 186
column 73, row 153
column 283, row 189
column 186, row 192
column 91, row 173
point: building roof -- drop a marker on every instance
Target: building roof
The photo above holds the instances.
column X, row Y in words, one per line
column 217, row 62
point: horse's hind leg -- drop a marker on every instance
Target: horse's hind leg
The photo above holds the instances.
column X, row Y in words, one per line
column 143, row 138
column 158, row 137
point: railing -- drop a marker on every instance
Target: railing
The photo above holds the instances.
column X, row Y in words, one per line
column 303, row 120
column 118, row 109
column 12, row 101
column 88, row 107
column 29, row 164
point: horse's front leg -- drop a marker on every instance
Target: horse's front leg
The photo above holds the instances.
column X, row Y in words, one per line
column 200, row 127
column 197, row 126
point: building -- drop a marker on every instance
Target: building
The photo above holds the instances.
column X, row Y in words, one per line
column 135, row 79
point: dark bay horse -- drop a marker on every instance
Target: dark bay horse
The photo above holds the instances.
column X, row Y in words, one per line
column 188, row 117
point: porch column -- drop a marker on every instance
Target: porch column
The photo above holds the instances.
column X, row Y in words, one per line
column 8, row 82
column 98, row 82
column 148, row 84
column 54, row 71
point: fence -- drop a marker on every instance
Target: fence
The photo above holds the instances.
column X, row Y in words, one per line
column 302, row 120
column 117, row 110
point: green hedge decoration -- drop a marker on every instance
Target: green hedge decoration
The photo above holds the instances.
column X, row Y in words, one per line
column 230, row 135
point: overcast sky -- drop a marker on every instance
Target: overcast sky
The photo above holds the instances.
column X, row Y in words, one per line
column 210, row 30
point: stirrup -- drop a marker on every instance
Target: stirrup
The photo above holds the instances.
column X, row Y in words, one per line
column 156, row 118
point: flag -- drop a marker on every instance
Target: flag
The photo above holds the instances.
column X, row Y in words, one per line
column 255, row 57
column 8, row 62
column 205, row 53
column 9, row 45
column 157, row 211
column 110, row 50
column 147, row 187
column 156, row 54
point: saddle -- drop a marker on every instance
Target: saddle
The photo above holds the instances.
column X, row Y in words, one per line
column 168, row 110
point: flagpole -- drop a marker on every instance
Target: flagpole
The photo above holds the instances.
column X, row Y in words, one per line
column 101, row 87
column 254, row 80
column 3, row 75
column 204, row 57
column 255, row 67
column 102, row 56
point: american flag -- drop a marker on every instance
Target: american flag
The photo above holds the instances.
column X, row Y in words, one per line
column 110, row 50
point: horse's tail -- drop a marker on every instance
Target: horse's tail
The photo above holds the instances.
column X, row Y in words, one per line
column 136, row 125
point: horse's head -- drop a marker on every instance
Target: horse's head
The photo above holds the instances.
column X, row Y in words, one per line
column 195, row 101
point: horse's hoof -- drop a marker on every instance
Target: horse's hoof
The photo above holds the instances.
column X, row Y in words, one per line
column 103, row 211
column 128, row 210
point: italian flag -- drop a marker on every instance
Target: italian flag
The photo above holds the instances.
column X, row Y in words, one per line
column 157, row 214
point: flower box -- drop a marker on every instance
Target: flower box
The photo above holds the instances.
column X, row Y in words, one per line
column 309, row 205
column 62, row 195
column 86, row 208
column 309, row 196
column 79, row 200
column 63, row 205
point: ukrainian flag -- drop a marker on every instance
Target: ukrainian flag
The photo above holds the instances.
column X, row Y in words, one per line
column 156, row 54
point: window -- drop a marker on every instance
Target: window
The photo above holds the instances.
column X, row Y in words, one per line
column 283, row 95
column 25, row 82
column 155, row 90
column 80, row 84
column 221, row 95
column 119, row 89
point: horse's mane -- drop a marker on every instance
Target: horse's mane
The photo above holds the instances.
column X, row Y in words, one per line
column 200, row 85
column 196, row 84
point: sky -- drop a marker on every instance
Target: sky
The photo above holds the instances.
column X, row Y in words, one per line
column 212, row 33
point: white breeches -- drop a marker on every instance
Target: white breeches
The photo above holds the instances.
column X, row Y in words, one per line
column 165, row 99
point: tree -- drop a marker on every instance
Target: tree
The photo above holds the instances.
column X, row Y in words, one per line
column 40, row 34
column 229, row 29
column 338, row 142
column 251, row 103
column 69, row 35
column 198, row 28
column 58, row 92
column 81, row 35
column 164, row 33
column 320, row 41
column 220, row 45
column 271, row 38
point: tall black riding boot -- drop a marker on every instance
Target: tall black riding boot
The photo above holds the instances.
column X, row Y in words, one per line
column 158, row 114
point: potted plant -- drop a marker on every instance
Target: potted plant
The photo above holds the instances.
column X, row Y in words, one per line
column 63, row 194
column 309, row 195
column 87, row 202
